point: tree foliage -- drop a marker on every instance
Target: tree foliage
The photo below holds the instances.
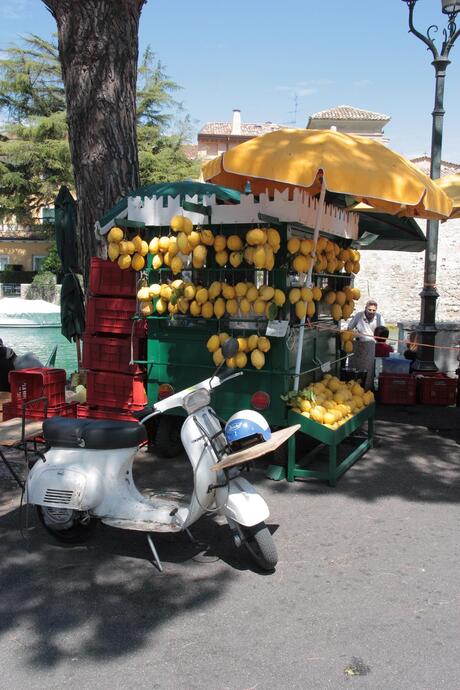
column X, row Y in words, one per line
column 34, row 151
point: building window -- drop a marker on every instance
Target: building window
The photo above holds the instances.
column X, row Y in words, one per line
column 37, row 262
column 4, row 260
column 47, row 214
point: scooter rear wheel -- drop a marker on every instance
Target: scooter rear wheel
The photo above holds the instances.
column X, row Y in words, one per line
column 260, row 545
column 66, row 525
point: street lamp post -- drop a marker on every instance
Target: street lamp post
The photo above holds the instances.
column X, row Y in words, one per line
column 427, row 326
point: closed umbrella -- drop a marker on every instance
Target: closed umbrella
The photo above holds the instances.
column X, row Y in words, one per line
column 72, row 299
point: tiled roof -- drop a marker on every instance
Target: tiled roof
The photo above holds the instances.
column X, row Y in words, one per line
column 424, row 163
column 248, row 129
column 190, row 151
column 347, row 112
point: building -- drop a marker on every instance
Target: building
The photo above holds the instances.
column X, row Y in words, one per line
column 215, row 138
column 345, row 118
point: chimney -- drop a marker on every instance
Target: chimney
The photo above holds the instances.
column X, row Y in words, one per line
column 236, row 122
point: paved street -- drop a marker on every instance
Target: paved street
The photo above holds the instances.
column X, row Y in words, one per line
column 365, row 594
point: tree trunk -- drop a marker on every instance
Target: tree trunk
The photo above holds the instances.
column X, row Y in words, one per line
column 98, row 50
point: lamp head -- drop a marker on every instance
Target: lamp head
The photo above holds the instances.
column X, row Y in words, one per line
column 450, row 6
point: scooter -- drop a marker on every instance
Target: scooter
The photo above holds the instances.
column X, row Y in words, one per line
column 86, row 475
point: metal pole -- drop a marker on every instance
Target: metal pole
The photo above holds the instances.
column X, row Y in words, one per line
column 429, row 294
column 426, row 328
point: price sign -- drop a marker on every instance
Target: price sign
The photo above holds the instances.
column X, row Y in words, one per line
column 277, row 329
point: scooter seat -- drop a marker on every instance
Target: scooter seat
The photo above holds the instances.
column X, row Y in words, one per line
column 95, row 434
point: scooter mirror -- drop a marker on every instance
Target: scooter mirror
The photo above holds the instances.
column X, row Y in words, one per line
column 230, row 348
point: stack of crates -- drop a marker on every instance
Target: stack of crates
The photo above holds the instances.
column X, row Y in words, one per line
column 29, row 384
column 435, row 388
column 114, row 387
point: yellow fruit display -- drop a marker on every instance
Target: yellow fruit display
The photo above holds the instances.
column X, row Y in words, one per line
column 207, row 237
column 213, row 343
column 155, row 290
column 336, row 312
column 219, row 308
column 201, row 295
column 340, row 298
column 355, row 293
column 256, row 236
column 266, row 292
column 157, row 262
column 293, row 245
column 234, row 243
column 154, row 245
column 113, row 251
column 279, row 298
column 311, row 309
column 300, row 264
column 248, row 255
column 306, row 294
column 236, row 259
column 194, row 238
column 143, row 294
column 273, row 238
column 183, row 244
column 160, row 306
column 223, row 337
column 317, row 293
column 221, row 258
column 294, row 295
column 231, row 307
column 242, row 344
column 259, row 257
column 207, row 310
column 146, row 308
column 228, row 291
column 115, row 234
column 217, row 357
column 252, row 294
column 195, row 308
column 347, row 310
column 214, row 289
column 252, row 342
column 199, row 256
column 241, row 360
column 263, row 343
column 301, row 310
column 259, row 306
column 330, row 297
column 257, row 359
column 245, row 305
column 241, row 289
column 187, row 225
column 189, row 291
column 306, row 247
column 144, row 249
column 177, row 223
column 348, row 347
column 124, row 261
column 176, row 265
column 124, row 247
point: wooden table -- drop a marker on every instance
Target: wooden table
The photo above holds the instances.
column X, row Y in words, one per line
column 15, row 433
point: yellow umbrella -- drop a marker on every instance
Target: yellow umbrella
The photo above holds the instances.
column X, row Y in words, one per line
column 450, row 184
column 356, row 166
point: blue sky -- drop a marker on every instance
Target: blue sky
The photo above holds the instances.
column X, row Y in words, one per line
column 259, row 56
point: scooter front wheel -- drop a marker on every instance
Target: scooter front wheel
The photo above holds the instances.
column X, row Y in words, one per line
column 66, row 525
column 259, row 543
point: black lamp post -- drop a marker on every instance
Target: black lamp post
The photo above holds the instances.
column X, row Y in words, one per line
column 427, row 326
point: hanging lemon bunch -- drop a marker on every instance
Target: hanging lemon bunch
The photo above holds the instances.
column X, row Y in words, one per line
column 128, row 253
column 251, row 349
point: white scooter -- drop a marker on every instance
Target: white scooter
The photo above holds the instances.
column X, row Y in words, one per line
column 86, row 475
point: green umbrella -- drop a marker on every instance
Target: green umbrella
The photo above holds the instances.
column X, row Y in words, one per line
column 173, row 189
column 72, row 299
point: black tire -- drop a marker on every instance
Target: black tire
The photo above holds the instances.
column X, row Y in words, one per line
column 167, row 442
column 76, row 529
column 259, row 543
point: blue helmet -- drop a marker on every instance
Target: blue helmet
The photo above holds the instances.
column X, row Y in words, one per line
column 246, row 426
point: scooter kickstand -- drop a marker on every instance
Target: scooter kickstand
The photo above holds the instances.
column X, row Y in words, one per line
column 155, row 554
column 191, row 537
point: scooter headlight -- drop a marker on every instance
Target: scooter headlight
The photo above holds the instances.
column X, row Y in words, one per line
column 196, row 400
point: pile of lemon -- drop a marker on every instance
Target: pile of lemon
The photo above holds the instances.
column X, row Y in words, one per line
column 128, row 253
column 251, row 349
column 215, row 301
column 331, row 402
column 329, row 256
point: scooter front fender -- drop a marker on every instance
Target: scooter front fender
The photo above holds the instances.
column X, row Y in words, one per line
column 243, row 504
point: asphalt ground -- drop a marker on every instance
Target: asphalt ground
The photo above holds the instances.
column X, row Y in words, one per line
column 365, row 594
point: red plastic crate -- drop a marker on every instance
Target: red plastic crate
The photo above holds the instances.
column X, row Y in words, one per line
column 37, row 411
column 118, row 391
column 86, row 411
column 64, row 410
column 107, row 315
column 397, row 389
column 27, row 384
column 102, row 353
column 436, row 389
column 107, row 278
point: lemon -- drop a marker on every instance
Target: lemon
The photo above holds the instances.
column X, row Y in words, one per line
column 245, row 306
column 124, row 261
column 207, row 310
column 219, row 308
column 241, row 360
column 263, row 343
column 220, row 243
column 242, row 344
column 115, row 234
column 221, row 258
column 177, row 223
column 113, row 251
column 279, row 298
column 218, row 357
column 176, row 265
column 234, row 243
column 207, row 237
column 257, row 359
column 223, row 337
column 252, row 342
